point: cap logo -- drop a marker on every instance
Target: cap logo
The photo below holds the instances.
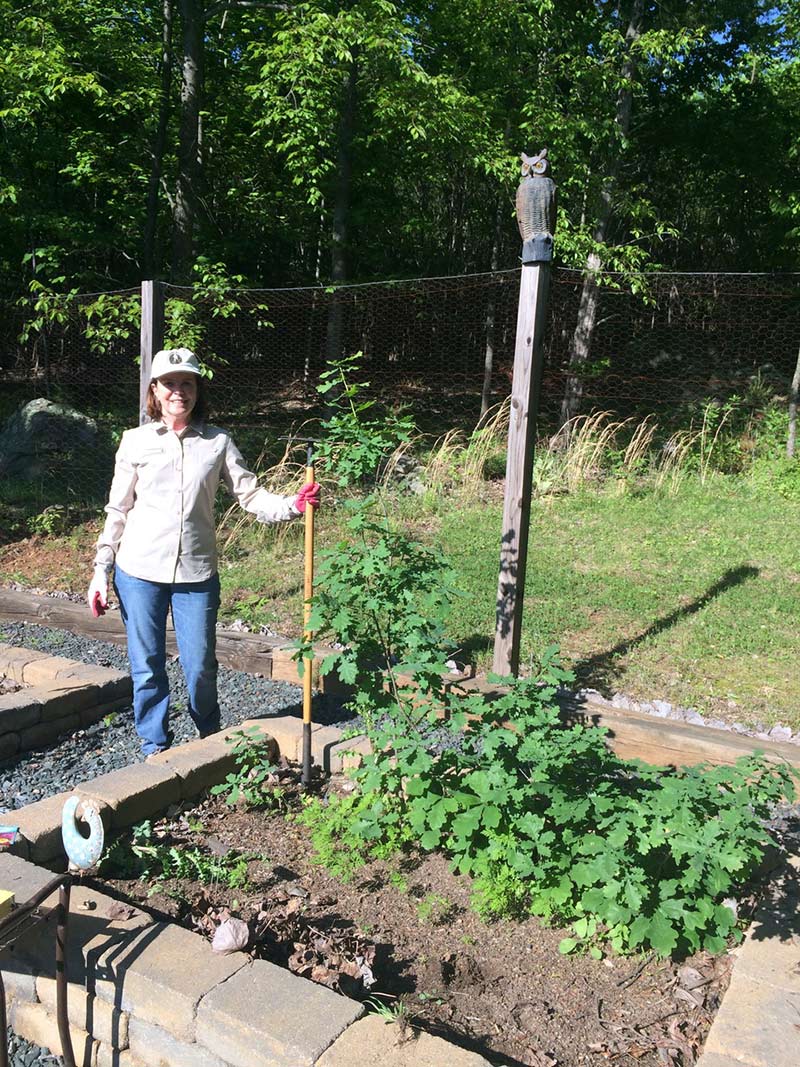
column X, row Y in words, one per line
column 175, row 357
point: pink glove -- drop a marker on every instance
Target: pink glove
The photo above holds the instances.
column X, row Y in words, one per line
column 309, row 494
column 97, row 597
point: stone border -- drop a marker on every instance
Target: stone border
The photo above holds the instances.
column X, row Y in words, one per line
column 133, row 1001
column 62, row 695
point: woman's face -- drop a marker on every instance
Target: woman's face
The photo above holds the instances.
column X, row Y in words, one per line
column 176, row 393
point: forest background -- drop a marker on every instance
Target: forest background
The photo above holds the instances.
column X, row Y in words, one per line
column 319, row 142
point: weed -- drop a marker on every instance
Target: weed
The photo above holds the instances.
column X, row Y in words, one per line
column 397, row 880
column 434, row 909
column 396, row 1012
column 144, row 856
column 254, row 782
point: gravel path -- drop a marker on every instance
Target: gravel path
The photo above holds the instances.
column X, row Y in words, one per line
column 113, row 743
column 22, row 1053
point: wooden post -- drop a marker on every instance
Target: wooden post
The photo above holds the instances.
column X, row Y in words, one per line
column 151, row 337
column 525, row 390
column 536, row 216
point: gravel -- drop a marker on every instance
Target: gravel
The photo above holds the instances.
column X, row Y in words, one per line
column 22, row 1053
column 113, row 742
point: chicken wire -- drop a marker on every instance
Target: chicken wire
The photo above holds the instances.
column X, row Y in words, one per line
column 663, row 346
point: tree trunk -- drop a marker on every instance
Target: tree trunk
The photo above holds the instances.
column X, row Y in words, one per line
column 582, row 338
column 189, row 163
column 341, row 209
column 793, row 397
column 149, row 257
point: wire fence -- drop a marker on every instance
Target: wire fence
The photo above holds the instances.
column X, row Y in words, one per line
column 662, row 345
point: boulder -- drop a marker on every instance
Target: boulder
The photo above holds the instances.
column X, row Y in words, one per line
column 40, row 433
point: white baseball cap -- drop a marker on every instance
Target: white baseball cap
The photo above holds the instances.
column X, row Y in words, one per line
column 171, row 360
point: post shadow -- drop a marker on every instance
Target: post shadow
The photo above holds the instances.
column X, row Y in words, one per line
column 598, row 670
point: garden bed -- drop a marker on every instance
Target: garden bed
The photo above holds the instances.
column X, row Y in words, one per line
column 501, row 989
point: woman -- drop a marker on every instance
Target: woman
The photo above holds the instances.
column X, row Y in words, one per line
column 160, row 539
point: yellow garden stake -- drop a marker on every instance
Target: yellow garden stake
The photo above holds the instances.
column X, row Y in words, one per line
column 308, row 592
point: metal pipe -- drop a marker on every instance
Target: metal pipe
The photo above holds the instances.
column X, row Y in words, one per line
column 61, row 974
column 63, row 883
column 4, row 1025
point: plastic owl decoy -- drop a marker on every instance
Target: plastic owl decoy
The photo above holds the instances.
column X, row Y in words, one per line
column 536, row 208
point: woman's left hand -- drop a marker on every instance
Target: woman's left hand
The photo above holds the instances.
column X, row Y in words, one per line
column 309, row 494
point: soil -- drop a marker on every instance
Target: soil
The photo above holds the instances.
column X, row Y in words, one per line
column 402, row 936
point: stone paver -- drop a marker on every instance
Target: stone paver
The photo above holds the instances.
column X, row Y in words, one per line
column 267, row 1017
column 287, row 730
column 107, row 1056
column 41, row 671
column 13, row 660
column 345, row 755
column 713, row 1059
column 39, row 838
column 756, row 1025
column 153, row 1045
column 36, row 1024
column 158, row 974
column 133, row 793
column 376, row 1042
column 86, row 1012
column 197, row 764
column 18, row 710
column 42, row 733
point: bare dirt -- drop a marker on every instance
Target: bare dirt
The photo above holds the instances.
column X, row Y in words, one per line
column 404, row 936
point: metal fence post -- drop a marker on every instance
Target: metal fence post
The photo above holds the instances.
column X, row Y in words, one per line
column 151, row 337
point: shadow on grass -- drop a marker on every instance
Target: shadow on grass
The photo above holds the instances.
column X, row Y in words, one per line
column 600, row 671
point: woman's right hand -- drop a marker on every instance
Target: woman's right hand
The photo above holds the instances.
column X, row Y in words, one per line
column 97, row 597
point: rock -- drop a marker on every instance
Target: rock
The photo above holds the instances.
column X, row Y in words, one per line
column 662, row 708
column 592, row 694
column 718, row 724
column 780, row 733
column 695, row 717
column 618, row 700
column 38, row 432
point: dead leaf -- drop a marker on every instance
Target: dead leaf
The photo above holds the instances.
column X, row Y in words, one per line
column 120, row 912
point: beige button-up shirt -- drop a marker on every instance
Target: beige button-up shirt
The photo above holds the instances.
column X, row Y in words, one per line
column 160, row 523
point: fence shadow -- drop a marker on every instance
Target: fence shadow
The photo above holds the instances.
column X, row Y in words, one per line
column 599, row 671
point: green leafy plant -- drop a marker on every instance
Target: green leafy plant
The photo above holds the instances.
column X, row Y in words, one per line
column 254, row 782
column 544, row 818
column 356, row 435
column 434, row 909
column 144, row 856
column 55, row 519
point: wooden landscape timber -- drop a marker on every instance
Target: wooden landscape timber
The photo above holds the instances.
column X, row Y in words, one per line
column 239, row 651
column 632, row 734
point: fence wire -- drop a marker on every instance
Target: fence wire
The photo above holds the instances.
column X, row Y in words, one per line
column 660, row 344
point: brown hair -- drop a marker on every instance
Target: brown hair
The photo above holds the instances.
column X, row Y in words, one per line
column 199, row 411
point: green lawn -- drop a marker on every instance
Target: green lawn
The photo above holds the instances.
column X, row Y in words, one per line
column 693, row 598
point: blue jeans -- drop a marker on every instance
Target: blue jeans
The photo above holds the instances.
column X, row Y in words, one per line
column 144, row 606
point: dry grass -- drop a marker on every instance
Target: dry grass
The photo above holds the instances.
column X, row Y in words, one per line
column 456, row 463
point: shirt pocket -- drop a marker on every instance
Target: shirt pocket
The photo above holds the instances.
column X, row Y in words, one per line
column 150, row 463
